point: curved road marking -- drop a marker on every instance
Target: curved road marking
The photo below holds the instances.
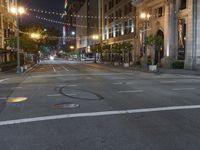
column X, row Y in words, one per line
column 134, row 91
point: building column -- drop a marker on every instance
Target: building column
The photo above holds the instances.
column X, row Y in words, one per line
column 190, row 31
column 196, row 5
column 170, row 32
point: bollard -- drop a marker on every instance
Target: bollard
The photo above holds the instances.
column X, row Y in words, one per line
column 22, row 69
column 25, row 67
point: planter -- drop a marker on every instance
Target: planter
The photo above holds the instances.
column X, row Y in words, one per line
column 116, row 63
column 106, row 62
column 126, row 65
column 6, row 67
column 152, row 68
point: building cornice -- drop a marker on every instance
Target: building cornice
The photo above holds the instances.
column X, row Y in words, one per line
column 137, row 2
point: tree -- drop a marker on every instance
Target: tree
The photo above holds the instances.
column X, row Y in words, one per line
column 156, row 42
column 106, row 51
column 126, row 47
column 158, row 45
column 49, row 38
column 150, row 41
column 100, row 51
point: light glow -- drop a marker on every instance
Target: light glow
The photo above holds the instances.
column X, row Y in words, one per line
column 145, row 15
column 95, row 37
column 72, row 47
column 51, row 58
column 20, row 10
column 35, row 36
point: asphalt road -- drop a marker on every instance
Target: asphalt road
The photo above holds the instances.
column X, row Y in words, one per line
column 85, row 106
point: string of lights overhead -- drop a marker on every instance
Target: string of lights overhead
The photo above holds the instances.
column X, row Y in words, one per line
column 75, row 15
column 52, row 37
column 61, row 23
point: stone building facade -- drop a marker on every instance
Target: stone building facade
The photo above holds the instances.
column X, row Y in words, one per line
column 7, row 30
column 118, row 23
column 177, row 21
column 89, row 18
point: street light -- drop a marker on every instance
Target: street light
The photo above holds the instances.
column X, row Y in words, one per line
column 144, row 16
column 35, row 36
column 17, row 10
column 95, row 37
column 72, row 47
column 73, row 33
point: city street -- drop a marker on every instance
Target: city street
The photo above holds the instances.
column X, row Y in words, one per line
column 85, row 106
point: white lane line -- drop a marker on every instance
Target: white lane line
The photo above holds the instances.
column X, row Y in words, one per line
column 2, row 80
column 166, row 82
column 71, row 94
column 118, row 79
column 18, row 87
column 3, row 98
column 95, row 114
column 72, row 85
column 133, row 91
column 118, row 83
column 65, row 68
column 54, row 69
column 183, row 89
column 54, row 95
column 60, row 85
column 129, row 83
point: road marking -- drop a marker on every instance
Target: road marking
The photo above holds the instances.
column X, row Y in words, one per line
column 65, row 68
column 2, row 80
column 77, row 74
column 71, row 94
column 96, row 114
column 118, row 83
column 129, row 83
column 17, row 87
column 134, row 91
column 183, row 89
column 54, row 69
column 72, row 85
column 62, row 85
column 3, row 98
column 166, row 82
column 118, row 79
column 54, row 95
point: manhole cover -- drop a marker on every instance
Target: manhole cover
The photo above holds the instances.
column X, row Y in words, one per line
column 16, row 99
column 66, row 105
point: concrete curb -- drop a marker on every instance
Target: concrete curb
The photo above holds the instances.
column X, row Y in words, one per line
column 161, row 71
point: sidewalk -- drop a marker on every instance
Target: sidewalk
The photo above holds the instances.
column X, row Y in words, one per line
column 12, row 72
column 161, row 70
column 180, row 71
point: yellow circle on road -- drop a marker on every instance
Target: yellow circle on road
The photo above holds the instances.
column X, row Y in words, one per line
column 16, row 99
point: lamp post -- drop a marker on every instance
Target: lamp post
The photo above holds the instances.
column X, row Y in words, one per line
column 16, row 10
column 145, row 17
column 95, row 38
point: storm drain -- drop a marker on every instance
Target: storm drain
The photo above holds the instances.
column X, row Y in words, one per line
column 66, row 105
column 16, row 99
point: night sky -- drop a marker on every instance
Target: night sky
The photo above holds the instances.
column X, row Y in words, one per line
column 48, row 5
